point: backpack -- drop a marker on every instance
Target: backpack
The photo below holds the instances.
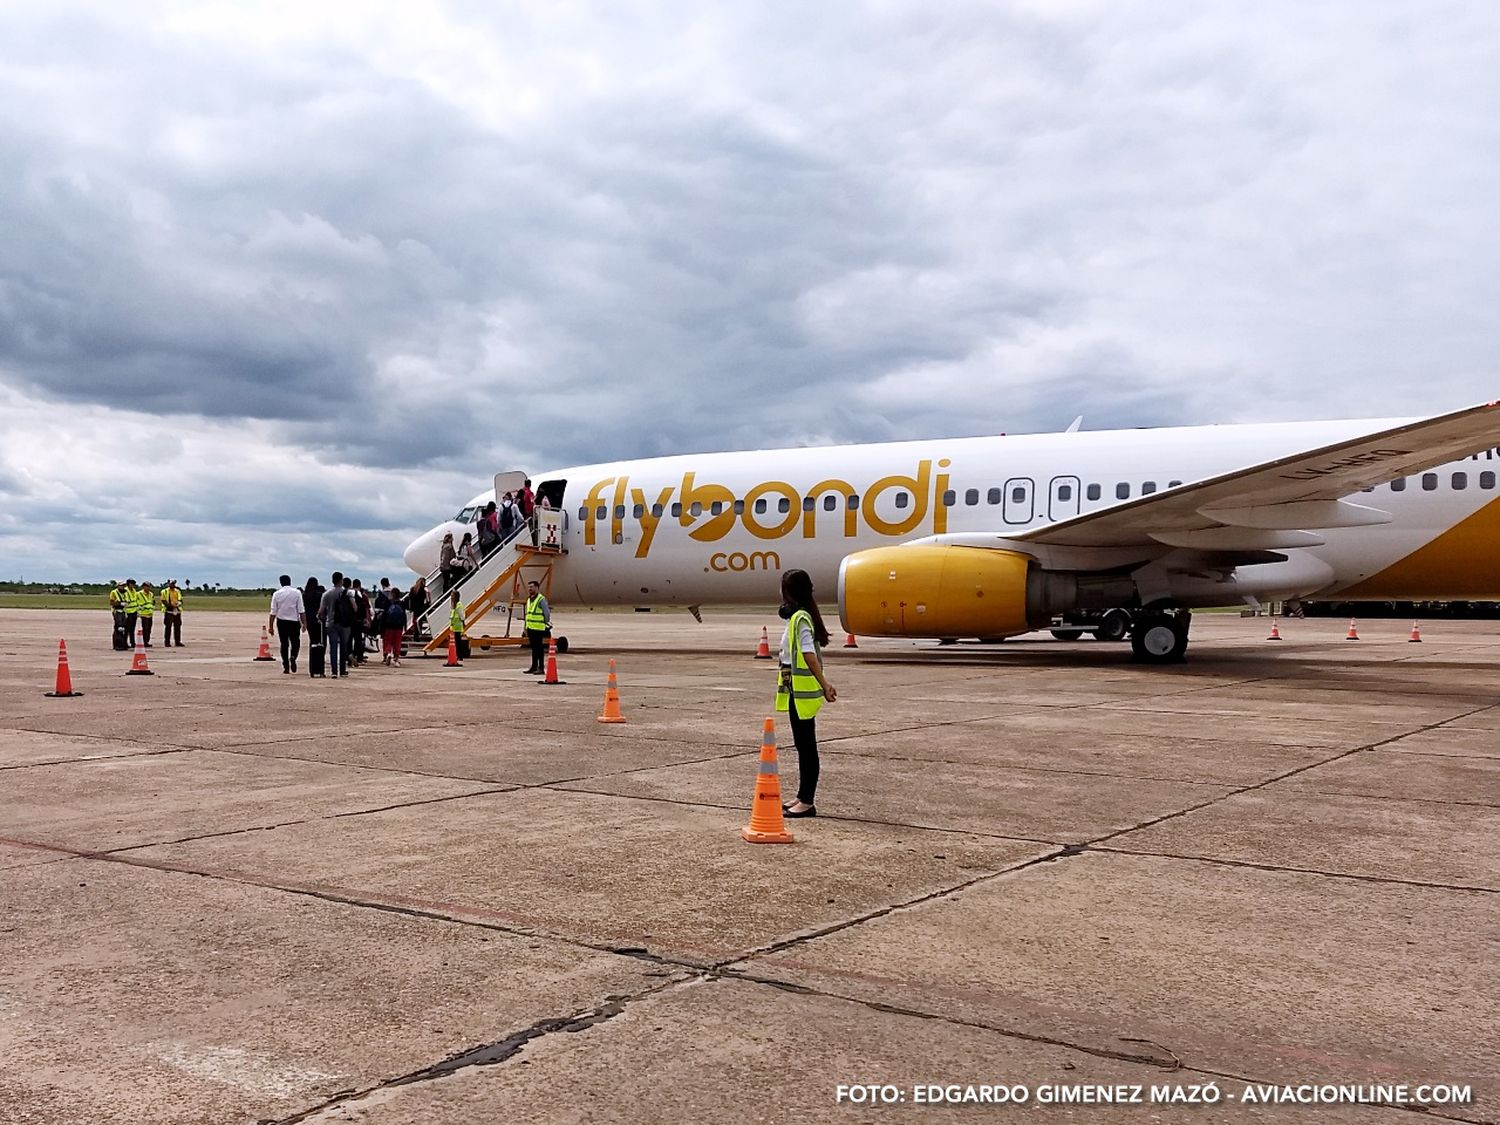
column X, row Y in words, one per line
column 395, row 616
column 344, row 610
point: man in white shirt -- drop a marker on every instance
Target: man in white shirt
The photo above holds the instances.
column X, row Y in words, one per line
column 289, row 621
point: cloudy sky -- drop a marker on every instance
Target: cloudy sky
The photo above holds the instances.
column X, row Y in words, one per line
column 282, row 284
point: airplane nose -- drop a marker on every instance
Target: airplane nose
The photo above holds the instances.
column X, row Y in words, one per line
column 412, row 556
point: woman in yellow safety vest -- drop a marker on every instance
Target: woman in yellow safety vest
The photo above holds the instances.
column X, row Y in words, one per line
column 802, row 686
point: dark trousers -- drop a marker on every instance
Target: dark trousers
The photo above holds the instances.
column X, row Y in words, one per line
column 805, row 736
column 171, row 626
column 130, row 620
column 290, row 633
column 119, row 616
column 538, row 639
column 146, row 630
column 314, row 641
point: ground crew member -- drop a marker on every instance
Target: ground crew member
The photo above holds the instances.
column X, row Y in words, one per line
column 802, row 685
column 117, row 612
column 148, row 607
column 171, row 607
column 132, row 605
column 456, row 626
column 538, row 627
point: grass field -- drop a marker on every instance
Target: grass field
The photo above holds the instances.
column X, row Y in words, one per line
column 248, row 603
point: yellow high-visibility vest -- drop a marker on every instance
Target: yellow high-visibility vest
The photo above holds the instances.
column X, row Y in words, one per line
column 536, row 620
column 805, row 688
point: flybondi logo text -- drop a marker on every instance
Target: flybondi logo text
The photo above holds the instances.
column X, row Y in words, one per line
column 896, row 505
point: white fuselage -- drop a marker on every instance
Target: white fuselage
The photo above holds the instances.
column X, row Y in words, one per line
column 718, row 528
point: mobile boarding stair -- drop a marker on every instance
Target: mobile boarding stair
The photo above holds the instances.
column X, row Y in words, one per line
column 499, row 582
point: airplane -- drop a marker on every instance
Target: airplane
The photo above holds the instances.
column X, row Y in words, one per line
column 1117, row 532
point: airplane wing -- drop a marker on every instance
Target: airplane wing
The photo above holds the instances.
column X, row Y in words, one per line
column 1283, row 496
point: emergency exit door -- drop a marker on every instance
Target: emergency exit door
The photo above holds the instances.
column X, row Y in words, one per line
column 1063, row 502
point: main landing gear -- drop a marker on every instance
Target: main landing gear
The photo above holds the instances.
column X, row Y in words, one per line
column 1160, row 636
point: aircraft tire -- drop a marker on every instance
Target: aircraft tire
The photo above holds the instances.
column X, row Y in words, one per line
column 1159, row 639
column 1114, row 627
column 562, row 646
column 1067, row 634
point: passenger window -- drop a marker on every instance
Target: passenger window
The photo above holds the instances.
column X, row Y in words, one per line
column 696, row 509
column 1173, row 483
column 619, row 511
column 1460, row 480
column 601, row 512
column 677, row 508
column 1148, row 488
column 1398, row 485
column 760, row 506
column 971, row 497
column 739, row 507
column 717, row 507
column 1429, row 482
column 992, row 496
column 583, row 513
column 1018, row 495
column 902, row 499
column 1093, row 492
column 1487, row 480
column 853, row 501
column 950, row 498
column 783, row 505
column 809, row 503
column 1122, row 491
column 656, row 510
column 1065, row 492
column 830, row 502
column 638, row 511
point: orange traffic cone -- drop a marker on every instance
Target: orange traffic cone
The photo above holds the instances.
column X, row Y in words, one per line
column 1352, row 635
column 766, row 824
column 1275, row 632
column 849, row 641
column 265, row 646
column 1416, row 634
column 138, row 662
column 764, row 651
column 611, row 712
column 550, row 679
column 64, row 679
column 453, row 660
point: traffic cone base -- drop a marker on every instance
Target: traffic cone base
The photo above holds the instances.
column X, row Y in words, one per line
column 611, row 712
column 1416, row 634
column 550, row 679
column 265, row 646
column 138, row 666
column 1353, row 634
column 64, row 677
column 767, row 826
column 763, row 652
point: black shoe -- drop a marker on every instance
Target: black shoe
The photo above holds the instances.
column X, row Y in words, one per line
column 294, row 665
column 811, row 810
column 285, row 671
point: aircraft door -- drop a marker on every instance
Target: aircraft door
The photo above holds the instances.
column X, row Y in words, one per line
column 1020, row 500
column 1064, row 500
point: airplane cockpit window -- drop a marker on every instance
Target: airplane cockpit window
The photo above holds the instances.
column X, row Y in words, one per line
column 1429, row 482
column 1094, row 492
column 1398, row 485
column 466, row 516
column 1460, row 480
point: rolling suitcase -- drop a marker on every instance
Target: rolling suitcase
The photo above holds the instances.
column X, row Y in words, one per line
column 121, row 642
column 315, row 660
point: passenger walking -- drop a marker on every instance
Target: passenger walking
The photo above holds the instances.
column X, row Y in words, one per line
column 801, row 684
column 449, row 567
column 416, row 606
column 509, row 517
column 147, row 603
column 393, row 622
column 489, row 530
column 312, row 598
column 526, row 501
column 468, row 554
column 363, row 617
column 288, row 618
column 538, row 627
column 171, row 608
column 337, row 613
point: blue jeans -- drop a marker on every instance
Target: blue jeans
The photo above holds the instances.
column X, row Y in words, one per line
column 339, row 637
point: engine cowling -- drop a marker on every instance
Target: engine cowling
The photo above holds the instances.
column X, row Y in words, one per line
column 934, row 591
